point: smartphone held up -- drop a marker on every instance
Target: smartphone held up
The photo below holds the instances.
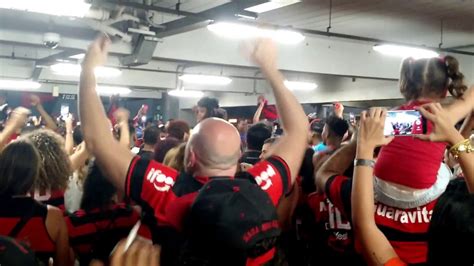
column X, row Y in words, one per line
column 404, row 123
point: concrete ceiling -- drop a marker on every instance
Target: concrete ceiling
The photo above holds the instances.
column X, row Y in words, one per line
column 329, row 61
column 408, row 21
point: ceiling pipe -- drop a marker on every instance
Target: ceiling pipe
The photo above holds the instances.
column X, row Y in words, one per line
column 379, row 41
column 151, row 7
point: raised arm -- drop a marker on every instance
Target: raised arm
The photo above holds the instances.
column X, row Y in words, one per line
column 376, row 248
column 291, row 147
column 17, row 120
column 122, row 115
column 79, row 157
column 113, row 158
column 335, row 165
column 48, row 120
column 69, row 141
column 445, row 131
column 258, row 113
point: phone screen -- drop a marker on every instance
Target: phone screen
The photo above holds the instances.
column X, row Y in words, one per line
column 404, row 123
column 64, row 111
column 352, row 118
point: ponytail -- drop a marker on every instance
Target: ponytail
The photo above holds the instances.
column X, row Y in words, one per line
column 410, row 79
column 456, row 85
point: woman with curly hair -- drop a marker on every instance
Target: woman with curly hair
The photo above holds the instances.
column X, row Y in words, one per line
column 55, row 167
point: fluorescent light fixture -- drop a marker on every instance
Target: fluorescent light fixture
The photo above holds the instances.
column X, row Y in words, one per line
column 247, row 15
column 110, row 90
column 19, row 84
column 67, row 69
column 68, row 8
column 233, row 120
column 205, row 79
column 186, row 93
column 78, row 56
column 287, row 36
column 107, row 72
column 242, row 31
column 271, row 5
column 404, row 51
column 300, row 86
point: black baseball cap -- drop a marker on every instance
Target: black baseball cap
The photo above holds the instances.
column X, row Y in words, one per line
column 232, row 222
column 13, row 253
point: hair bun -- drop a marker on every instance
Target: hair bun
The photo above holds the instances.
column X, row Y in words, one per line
column 456, row 85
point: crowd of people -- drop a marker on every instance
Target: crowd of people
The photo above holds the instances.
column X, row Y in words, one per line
column 283, row 189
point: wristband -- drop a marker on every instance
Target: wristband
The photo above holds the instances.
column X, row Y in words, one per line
column 463, row 146
column 363, row 162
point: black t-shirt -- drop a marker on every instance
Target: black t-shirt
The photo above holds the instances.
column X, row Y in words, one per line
column 146, row 155
column 251, row 157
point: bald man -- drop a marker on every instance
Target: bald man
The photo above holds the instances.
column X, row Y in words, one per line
column 213, row 150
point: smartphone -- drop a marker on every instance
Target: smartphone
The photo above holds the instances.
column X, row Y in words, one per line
column 404, row 123
column 64, row 111
column 352, row 118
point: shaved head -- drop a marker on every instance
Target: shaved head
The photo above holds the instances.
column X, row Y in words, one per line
column 213, row 148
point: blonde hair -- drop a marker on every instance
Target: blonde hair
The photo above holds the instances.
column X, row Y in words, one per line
column 55, row 166
column 175, row 157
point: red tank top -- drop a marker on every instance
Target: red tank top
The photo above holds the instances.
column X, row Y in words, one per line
column 34, row 232
column 410, row 162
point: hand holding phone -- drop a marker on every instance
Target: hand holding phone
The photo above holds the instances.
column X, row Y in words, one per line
column 443, row 129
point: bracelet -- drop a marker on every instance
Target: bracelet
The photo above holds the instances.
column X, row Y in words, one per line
column 364, row 162
column 463, row 146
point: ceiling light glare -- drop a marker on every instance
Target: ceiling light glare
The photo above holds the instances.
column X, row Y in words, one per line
column 242, row 31
column 271, row 5
column 14, row 84
column 67, row 69
column 300, row 86
column 68, row 8
column 205, row 79
column 404, row 51
column 181, row 93
column 78, row 56
column 112, row 90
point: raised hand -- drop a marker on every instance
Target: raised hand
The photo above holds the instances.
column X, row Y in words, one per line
column 97, row 53
column 444, row 129
column 370, row 133
column 18, row 117
column 122, row 115
column 35, row 100
column 263, row 52
column 339, row 110
column 69, row 120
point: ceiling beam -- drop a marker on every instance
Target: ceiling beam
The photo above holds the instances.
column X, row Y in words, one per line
column 460, row 47
column 149, row 8
column 61, row 55
column 225, row 11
